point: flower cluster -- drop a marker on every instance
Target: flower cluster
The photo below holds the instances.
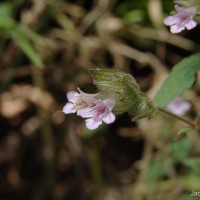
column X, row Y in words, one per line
column 183, row 19
column 90, row 107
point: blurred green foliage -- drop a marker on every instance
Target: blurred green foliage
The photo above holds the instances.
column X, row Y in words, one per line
column 47, row 155
column 22, row 35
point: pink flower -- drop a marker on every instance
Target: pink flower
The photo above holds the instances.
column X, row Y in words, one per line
column 178, row 106
column 98, row 113
column 78, row 102
column 88, row 106
column 183, row 19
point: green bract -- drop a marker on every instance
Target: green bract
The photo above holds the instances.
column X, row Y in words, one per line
column 123, row 88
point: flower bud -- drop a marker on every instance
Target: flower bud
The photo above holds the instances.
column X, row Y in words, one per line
column 125, row 91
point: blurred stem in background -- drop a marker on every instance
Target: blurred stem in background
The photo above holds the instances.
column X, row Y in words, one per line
column 50, row 158
column 193, row 124
column 96, row 170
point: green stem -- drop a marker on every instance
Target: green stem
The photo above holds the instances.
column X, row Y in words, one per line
column 187, row 121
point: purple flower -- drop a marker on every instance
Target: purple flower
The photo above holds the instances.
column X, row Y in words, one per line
column 88, row 106
column 78, row 102
column 98, row 113
column 183, row 19
column 178, row 106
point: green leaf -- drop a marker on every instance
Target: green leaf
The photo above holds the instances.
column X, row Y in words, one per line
column 134, row 16
column 181, row 78
column 190, row 182
column 6, row 20
column 33, row 36
column 192, row 163
column 27, row 48
column 180, row 149
column 7, row 24
column 183, row 131
column 157, row 168
column 5, row 10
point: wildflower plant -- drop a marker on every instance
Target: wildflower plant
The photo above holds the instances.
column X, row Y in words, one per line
column 120, row 93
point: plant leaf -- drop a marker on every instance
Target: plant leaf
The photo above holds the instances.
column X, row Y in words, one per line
column 27, row 48
column 7, row 24
column 181, row 78
column 33, row 36
column 5, row 10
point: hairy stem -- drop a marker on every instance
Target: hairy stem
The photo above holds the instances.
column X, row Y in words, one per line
column 187, row 121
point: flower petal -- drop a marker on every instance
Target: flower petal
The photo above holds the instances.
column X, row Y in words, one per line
column 110, row 103
column 91, row 124
column 176, row 29
column 191, row 24
column 178, row 106
column 86, row 112
column 171, row 20
column 86, row 94
column 109, row 118
column 69, row 108
column 180, row 9
column 72, row 96
column 186, row 106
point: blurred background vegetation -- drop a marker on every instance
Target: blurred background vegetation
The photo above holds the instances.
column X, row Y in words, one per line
column 46, row 47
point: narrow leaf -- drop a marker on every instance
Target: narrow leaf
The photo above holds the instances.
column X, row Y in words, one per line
column 33, row 36
column 181, row 78
column 7, row 24
column 27, row 48
column 5, row 9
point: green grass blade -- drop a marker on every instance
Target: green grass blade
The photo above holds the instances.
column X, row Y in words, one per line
column 27, row 48
column 33, row 36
